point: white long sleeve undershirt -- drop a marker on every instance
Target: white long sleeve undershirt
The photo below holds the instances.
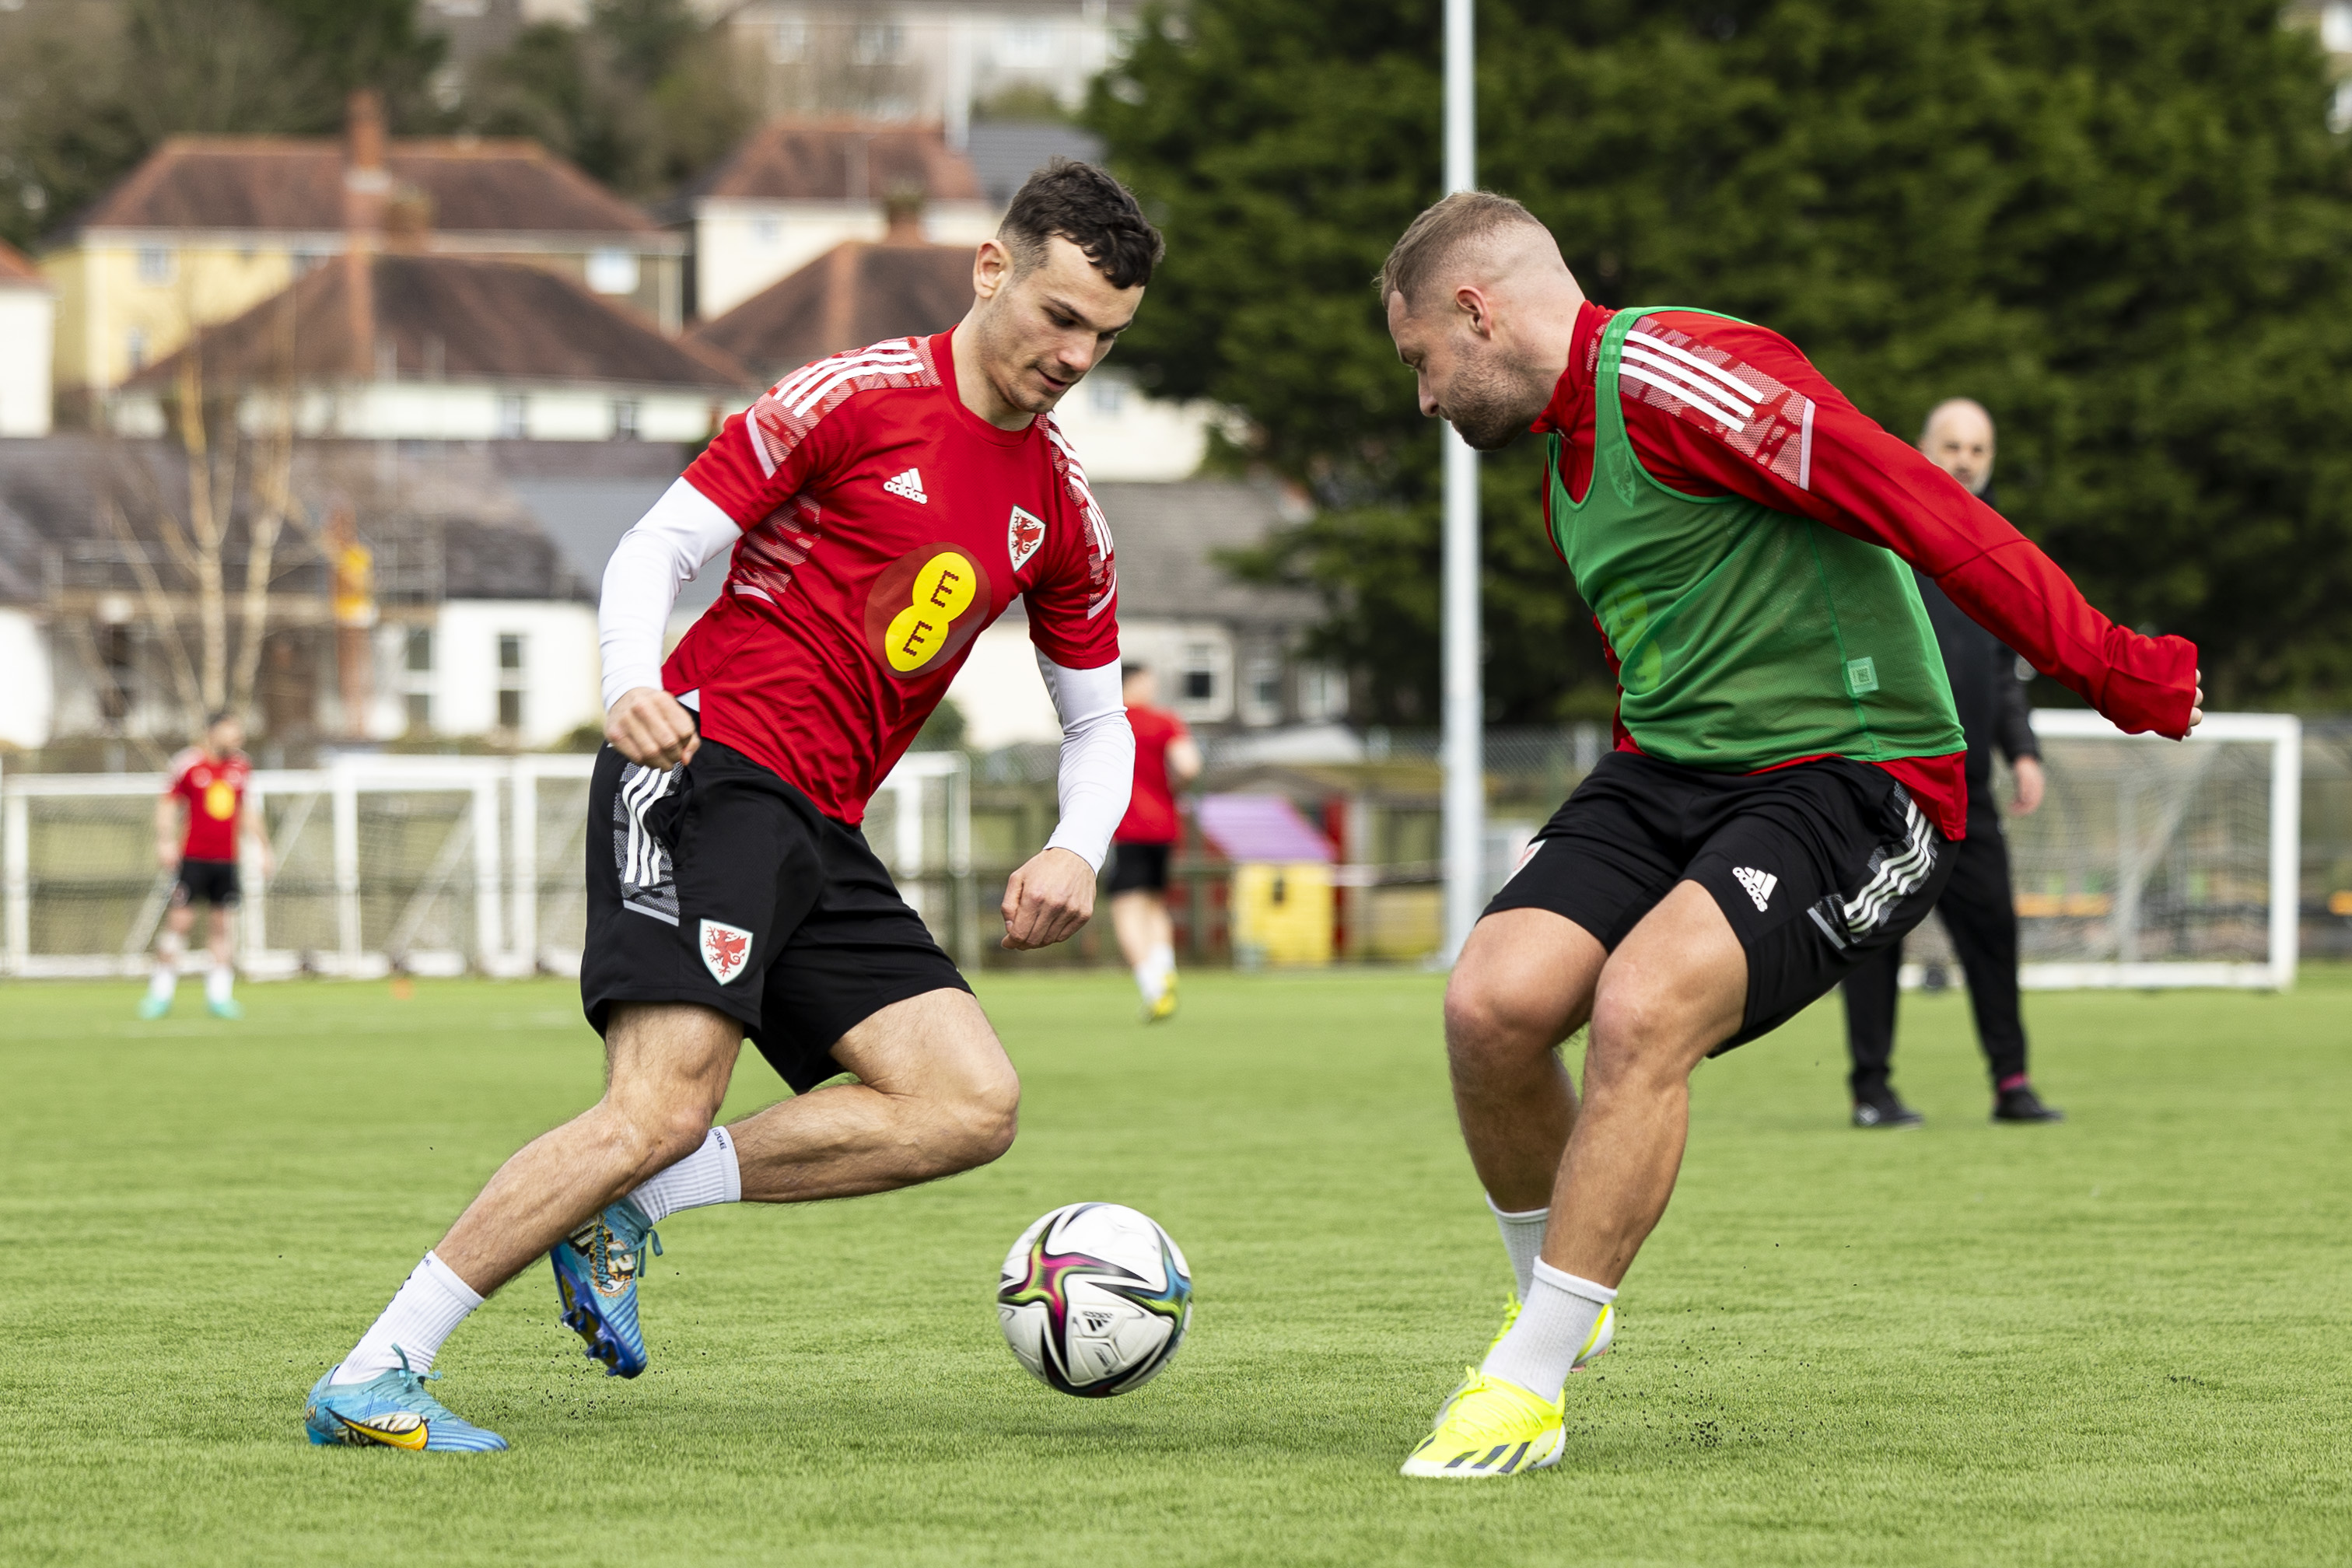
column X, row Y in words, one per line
column 666, row 550
column 1098, row 757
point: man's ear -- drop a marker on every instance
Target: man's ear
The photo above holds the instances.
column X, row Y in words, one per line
column 1472, row 303
column 992, row 269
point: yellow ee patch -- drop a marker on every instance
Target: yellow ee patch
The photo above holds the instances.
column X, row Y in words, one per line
column 924, row 606
column 220, row 801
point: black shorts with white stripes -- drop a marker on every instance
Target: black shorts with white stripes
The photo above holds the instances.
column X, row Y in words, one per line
column 1815, row 865
column 718, row 883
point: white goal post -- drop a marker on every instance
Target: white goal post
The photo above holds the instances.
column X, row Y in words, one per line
column 2156, row 863
column 430, row 865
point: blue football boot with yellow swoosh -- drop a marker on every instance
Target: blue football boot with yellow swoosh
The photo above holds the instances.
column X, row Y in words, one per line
column 391, row 1410
column 596, row 1269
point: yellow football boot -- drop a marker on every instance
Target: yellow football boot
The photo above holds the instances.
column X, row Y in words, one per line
column 1165, row 1008
column 1490, row 1428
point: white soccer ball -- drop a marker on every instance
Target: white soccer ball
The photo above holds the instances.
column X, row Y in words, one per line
column 1095, row 1299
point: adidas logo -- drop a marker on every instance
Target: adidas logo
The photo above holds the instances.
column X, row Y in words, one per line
column 1759, row 884
column 909, row 484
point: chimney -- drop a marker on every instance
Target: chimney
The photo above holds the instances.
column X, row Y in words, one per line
column 902, row 214
column 366, row 181
column 407, row 220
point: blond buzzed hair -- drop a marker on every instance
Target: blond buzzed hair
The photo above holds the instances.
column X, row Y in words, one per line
column 1462, row 218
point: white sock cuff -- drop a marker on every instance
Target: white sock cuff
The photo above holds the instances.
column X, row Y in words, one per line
column 1574, row 1284
column 730, row 1165
column 1520, row 1215
column 441, row 1274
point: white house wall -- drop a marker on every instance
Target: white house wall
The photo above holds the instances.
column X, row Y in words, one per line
column 999, row 693
column 1119, row 434
column 28, row 331
column 458, row 410
column 561, row 674
column 741, row 247
column 28, row 694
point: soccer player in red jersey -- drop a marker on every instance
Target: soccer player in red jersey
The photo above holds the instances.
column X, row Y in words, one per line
column 882, row 507
column 1789, row 779
column 199, row 818
column 1166, row 759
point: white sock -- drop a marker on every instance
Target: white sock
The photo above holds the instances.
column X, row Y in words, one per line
column 711, row 1174
column 1158, row 968
column 166, row 977
column 218, row 980
column 1146, row 983
column 425, row 1312
column 1555, row 1324
column 1522, row 1236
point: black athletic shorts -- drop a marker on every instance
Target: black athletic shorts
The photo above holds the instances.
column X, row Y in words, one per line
column 1139, row 868
column 721, row 884
column 210, row 882
column 1815, row 865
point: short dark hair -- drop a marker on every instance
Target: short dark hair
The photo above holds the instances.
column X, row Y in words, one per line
column 1094, row 212
column 1429, row 239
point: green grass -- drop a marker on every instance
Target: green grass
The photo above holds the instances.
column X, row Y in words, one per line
column 2118, row 1340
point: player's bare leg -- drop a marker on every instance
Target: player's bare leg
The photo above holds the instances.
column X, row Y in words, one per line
column 220, row 981
column 1147, row 940
column 667, row 1069
column 170, row 944
column 935, row 1095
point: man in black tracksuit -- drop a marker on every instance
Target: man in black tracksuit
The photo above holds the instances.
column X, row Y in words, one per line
column 1978, row 908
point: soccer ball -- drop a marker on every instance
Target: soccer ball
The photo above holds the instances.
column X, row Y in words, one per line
column 1093, row 1300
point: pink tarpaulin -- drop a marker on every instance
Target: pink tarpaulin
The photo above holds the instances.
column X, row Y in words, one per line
column 1260, row 827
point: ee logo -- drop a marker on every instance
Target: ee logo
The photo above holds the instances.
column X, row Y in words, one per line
column 919, row 613
column 220, row 801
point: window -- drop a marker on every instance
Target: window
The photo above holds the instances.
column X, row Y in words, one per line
column 514, row 416
column 613, row 271
column 420, row 712
column 1024, row 45
column 416, row 666
column 1200, row 678
column 1109, row 395
column 788, row 41
column 420, row 650
column 624, row 418
column 511, row 650
column 1262, row 690
column 766, row 230
column 877, row 44
column 154, row 264
column 1322, row 694
column 134, row 347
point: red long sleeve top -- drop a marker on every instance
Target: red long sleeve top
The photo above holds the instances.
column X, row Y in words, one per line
column 1819, row 457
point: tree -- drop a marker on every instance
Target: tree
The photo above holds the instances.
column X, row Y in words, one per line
column 2121, row 223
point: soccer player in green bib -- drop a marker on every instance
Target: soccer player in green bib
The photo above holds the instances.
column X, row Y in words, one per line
column 1788, row 776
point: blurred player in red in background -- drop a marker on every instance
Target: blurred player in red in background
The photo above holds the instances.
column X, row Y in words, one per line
column 1166, row 759
column 198, row 820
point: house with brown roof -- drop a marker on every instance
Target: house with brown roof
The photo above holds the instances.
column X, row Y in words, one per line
column 28, row 327
column 207, row 227
column 793, row 189
column 408, row 345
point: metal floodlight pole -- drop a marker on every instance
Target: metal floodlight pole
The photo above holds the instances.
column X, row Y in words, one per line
column 1465, row 775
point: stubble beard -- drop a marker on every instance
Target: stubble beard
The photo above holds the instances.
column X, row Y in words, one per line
column 1487, row 406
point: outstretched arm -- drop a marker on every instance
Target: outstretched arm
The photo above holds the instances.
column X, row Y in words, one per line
column 1799, row 446
column 1050, row 898
column 662, row 553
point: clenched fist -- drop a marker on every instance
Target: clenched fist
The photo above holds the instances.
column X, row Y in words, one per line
column 1047, row 899
column 651, row 728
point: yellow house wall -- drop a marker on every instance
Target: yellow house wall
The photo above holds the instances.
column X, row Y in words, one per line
column 102, row 300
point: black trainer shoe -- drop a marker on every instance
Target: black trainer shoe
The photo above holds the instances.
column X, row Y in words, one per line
column 1879, row 1108
column 2021, row 1104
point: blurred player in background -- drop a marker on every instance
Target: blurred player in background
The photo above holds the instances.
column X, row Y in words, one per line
column 1978, row 908
column 199, row 819
column 1166, row 760
column 882, row 507
column 1788, row 779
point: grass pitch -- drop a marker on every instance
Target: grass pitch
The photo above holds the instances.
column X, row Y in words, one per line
column 2116, row 1341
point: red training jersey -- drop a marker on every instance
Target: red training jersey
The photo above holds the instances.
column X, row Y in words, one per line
column 1799, row 447
column 884, row 525
column 1152, row 809
column 215, row 792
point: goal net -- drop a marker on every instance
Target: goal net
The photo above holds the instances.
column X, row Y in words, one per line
column 2152, row 862
column 427, row 865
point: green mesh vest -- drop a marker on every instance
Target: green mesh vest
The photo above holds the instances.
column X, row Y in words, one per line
column 1745, row 636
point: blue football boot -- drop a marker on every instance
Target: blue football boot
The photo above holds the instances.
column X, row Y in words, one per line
column 596, row 1270
column 391, row 1411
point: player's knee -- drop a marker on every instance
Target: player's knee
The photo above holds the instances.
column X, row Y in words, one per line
column 985, row 1117
column 1485, row 1021
column 657, row 1137
column 1636, row 1040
